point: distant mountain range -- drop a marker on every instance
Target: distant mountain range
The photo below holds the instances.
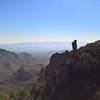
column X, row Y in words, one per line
column 11, row 63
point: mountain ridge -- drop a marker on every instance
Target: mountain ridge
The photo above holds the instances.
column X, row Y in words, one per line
column 10, row 62
column 73, row 75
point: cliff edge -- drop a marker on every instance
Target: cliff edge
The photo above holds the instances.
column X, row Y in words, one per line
column 73, row 75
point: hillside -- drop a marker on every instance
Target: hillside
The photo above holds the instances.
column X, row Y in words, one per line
column 26, row 73
column 10, row 62
column 73, row 75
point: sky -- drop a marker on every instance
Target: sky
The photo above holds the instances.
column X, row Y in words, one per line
column 49, row 20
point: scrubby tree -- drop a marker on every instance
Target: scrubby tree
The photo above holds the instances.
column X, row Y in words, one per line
column 36, row 90
column 20, row 95
column 12, row 96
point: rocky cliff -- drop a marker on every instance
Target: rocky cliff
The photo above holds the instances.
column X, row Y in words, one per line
column 73, row 75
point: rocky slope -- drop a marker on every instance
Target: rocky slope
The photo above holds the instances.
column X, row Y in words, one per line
column 10, row 62
column 73, row 75
column 26, row 73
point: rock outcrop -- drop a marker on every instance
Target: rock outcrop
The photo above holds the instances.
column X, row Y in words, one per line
column 73, row 75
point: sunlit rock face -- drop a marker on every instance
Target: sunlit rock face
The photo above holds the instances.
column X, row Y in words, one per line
column 73, row 75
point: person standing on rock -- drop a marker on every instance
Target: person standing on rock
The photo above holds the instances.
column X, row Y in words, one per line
column 74, row 45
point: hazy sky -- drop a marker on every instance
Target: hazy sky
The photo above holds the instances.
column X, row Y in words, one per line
column 49, row 20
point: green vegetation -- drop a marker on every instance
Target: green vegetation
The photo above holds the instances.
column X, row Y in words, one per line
column 22, row 92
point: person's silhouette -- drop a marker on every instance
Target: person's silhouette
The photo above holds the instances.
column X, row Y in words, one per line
column 74, row 45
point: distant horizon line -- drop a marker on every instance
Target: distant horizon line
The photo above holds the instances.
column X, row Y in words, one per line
column 6, row 43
